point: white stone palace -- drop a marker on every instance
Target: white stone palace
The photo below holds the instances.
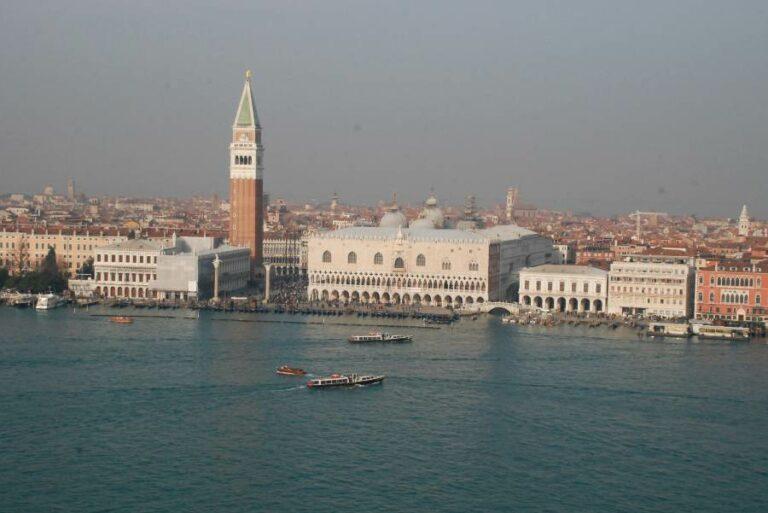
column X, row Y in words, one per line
column 423, row 264
column 564, row 288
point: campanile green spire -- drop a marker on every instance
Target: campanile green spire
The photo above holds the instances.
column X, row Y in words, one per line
column 246, row 111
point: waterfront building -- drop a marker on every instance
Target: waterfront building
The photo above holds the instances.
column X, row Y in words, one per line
column 283, row 253
column 421, row 265
column 246, row 170
column 564, row 288
column 733, row 290
column 199, row 268
column 178, row 268
column 25, row 249
column 125, row 269
column 657, row 283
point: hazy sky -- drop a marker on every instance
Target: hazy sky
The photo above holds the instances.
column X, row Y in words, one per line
column 604, row 106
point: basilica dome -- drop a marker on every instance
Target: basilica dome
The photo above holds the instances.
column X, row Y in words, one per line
column 431, row 215
column 393, row 219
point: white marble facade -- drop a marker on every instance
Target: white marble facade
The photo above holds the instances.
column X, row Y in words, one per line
column 439, row 267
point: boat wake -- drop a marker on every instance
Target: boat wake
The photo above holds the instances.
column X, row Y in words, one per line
column 290, row 389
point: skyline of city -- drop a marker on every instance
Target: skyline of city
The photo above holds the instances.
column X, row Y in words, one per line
column 443, row 256
column 667, row 120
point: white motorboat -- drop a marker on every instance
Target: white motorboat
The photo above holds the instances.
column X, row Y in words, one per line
column 48, row 302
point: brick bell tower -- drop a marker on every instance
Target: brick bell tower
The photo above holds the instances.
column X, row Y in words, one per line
column 246, row 170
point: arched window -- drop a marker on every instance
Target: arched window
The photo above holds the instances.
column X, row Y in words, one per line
column 399, row 264
column 378, row 259
column 473, row 266
column 352, row 257
column 757, row 299
column 327, row 257
column 446, row 265
column 421, row 260
column 711, row 297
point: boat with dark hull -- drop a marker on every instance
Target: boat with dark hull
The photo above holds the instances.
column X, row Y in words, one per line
column 284, row 370
column 342, row 380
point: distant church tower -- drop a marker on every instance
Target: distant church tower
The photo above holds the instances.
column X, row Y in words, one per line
column 745, row 226
column 246, row 169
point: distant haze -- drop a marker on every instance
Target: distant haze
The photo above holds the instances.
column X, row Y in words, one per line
column 602, row 106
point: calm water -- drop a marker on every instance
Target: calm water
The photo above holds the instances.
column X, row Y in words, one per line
column 188, row 415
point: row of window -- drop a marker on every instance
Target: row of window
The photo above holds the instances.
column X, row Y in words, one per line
column 136, row 259
column 631, row 279
column 741, row 299
column 125, row 277
column 728, row 281
column 642, row 290
column 243, row 160
column 645, row 270
column 378, row 259
column 38, row 245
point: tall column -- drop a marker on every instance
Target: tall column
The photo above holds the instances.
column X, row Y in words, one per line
column 267, row 282
column 216, row 276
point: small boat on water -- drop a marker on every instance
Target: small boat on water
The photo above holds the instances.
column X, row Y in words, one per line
column 121, row 319
column 284, row 370
column 379, row 336
column 341, row 380
column 48, row 302
column 736, row 334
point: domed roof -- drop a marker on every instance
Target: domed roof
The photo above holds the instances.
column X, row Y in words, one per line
column 393, row 219
column 431, row 216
